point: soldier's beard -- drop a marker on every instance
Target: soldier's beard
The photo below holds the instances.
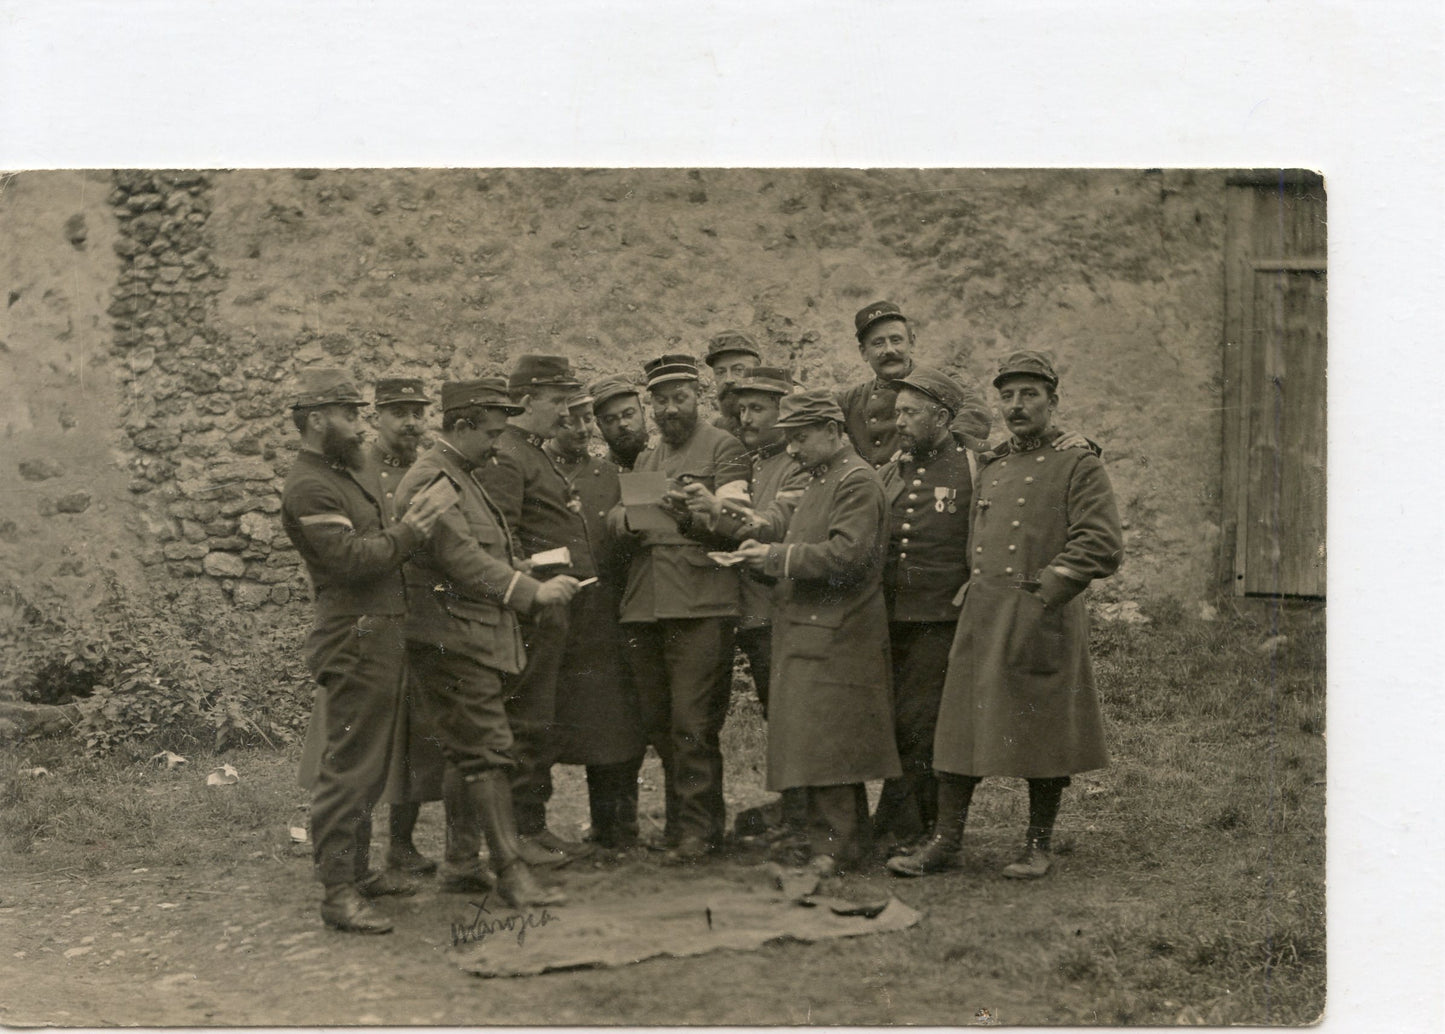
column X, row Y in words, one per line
column 676, row 430
column 341, row 448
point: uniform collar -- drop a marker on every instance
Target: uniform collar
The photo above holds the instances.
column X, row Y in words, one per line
column 318, row 459
column 767, row 452
column 832, row 461
column 382, row 456
column 452, row 453
column 1032, row 442
column 927, row 453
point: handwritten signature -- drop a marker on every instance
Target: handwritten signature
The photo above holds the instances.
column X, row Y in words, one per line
column 483, row 925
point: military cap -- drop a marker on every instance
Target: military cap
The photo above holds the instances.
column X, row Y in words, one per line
column 938, row 386
column 542, row 371
column 490, row 392
column 775, row 380
column 391, row 390
column 731, row 341
column 579, row 398
column 670, row 367
column 809, row 407
column 871, row 314
column 608, row 388
column 326, row 386
column 1027, row 363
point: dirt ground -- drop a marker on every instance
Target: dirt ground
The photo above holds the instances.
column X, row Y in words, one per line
column 1189, row 886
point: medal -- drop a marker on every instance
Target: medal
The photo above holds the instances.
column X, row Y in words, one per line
column 940, row 497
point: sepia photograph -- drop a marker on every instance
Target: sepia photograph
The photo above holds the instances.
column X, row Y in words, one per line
column 830, row 516
column 809, row 580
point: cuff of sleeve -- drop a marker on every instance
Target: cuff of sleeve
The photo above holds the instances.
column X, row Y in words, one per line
column 521, row 594
column 409, row 538
column 1057, row 588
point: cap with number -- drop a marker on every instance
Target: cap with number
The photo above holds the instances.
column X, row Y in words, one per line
column 609, row 388
column 540, row 371
column 1027, row 363
column 391, row 390
column 871, row 314
column 326, row 386
column 938, row 386
column 490, row 392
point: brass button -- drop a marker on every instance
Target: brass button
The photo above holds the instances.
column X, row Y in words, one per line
column 995, row 482
column 912, row 495
column 978, row 549
column 1016, row 524
column 902, row 556
column 1039, row 460
column 1013, row 549
column 1022, row 500
column 1028, row 481
column 1008, row 570
column 903, row 542
column 907, row 526
column 978, row 570
column 917, row 482
column 1003, row 463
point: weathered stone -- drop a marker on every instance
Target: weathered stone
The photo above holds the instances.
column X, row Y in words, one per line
column 223, row 565
column 229, row 543
column 257, row 527
column 276, row 575
column 141, row 360
column 280, row 594
column 155, row 439
column 73, row 502
column 242, row 470
column 9, row 532
column 170, row 274
column 185, row 550
column 215, row 404
column 144, row 202
column 221, row 526
column 193, row 531
column 250, row 595
column 140, row 486
column 40, row 469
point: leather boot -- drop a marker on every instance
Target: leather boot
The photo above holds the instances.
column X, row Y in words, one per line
column 401, row 853
column 517, row 886
column 346, row 910
column 940, row 853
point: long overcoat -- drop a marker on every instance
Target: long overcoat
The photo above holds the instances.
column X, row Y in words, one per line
column 1019, row 698
column 598, row 720
column 830, row 715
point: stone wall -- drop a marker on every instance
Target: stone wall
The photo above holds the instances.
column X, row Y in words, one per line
column 232, row 281
column 208, row 485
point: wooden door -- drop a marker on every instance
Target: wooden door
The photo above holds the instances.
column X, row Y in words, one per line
column 1275, row 357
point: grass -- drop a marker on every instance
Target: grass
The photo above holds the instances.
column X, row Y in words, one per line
column 1190, row 887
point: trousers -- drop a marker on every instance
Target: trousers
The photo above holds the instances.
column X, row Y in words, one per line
column 682, row 668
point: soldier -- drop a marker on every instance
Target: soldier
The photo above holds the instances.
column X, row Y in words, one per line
column 928, row 485
column 598, row 720
column 774, row 484
column 617, row 405
column 730, row 355
column 1019, row 697
column 679, row 610
column 885, row 341
column 356, row 649
column 466, row 589
column 416, row 768
column 546, row 515
column 830, row 718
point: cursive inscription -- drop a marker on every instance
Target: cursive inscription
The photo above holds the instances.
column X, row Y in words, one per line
column 484, row 924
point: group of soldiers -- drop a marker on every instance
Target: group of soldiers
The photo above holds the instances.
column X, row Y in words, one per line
column 907, row 599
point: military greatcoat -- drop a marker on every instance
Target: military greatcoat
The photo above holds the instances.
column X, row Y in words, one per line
column 830, row 719
column 1019, row 698
column 598, row 721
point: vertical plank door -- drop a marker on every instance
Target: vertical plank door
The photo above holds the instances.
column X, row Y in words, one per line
column 1278, row 321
